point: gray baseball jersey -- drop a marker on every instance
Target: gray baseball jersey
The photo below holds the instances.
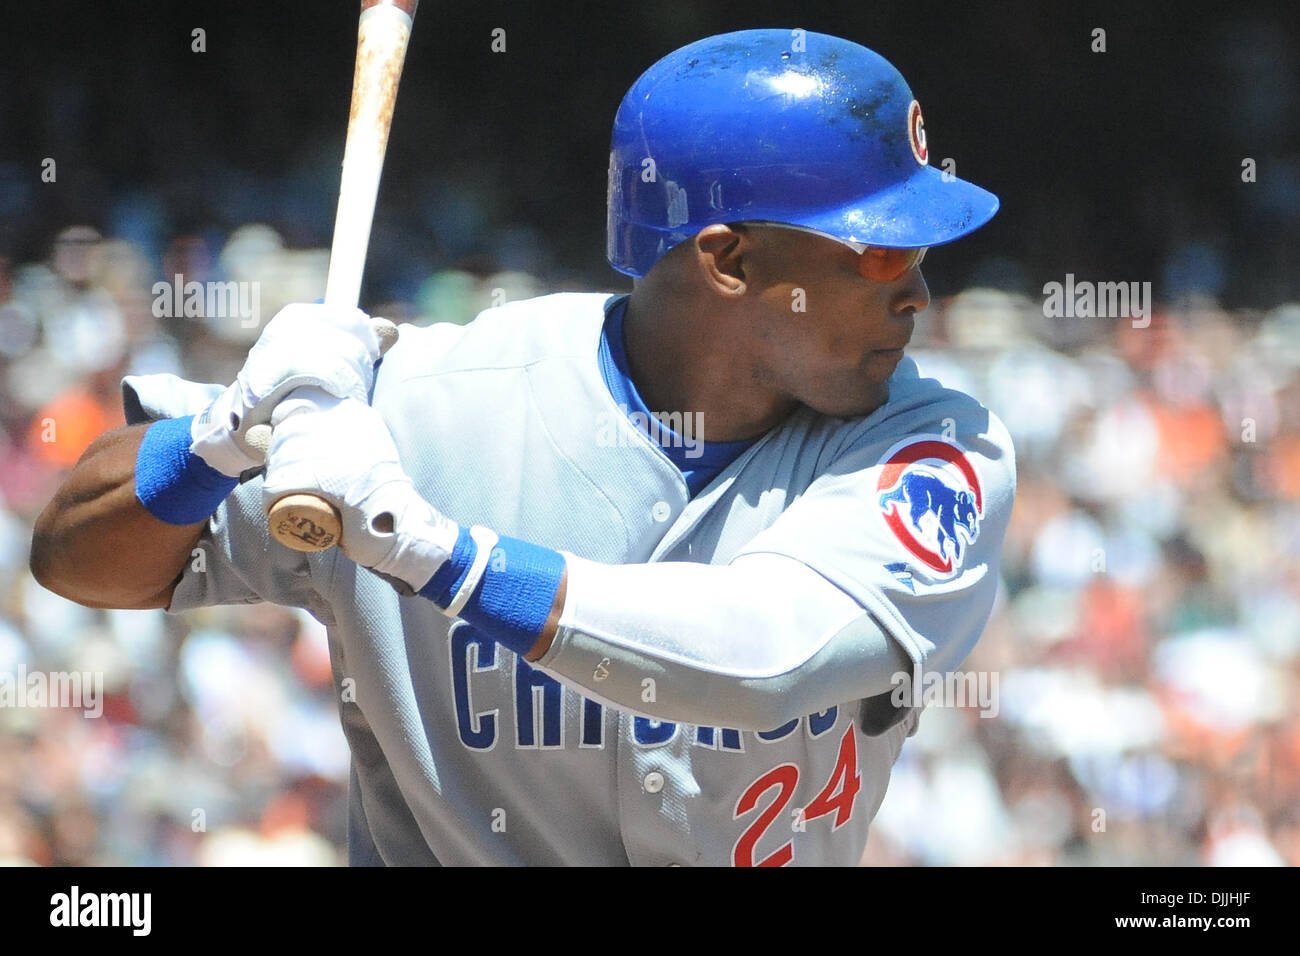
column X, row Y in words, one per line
column 463, row 753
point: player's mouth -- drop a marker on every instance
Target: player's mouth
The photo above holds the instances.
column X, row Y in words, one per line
column 879, row 359
column 889, row 357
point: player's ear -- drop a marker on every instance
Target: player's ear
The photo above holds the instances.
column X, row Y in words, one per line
column 719, row 252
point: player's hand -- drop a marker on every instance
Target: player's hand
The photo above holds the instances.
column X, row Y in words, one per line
column 341, row 450
column 303, row 346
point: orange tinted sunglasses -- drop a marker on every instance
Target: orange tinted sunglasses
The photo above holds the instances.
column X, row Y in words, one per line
column 886, row 264
column 877, row 263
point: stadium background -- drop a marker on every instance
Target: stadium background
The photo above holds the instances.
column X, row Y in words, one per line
column 1163, row 690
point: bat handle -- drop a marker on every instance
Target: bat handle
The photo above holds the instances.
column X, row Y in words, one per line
column 303, row 521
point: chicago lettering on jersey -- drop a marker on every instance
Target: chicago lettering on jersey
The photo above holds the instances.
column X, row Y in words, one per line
column 539, row 705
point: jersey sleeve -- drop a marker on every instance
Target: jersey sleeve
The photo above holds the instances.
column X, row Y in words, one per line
column 235, row 560
column 909, row 521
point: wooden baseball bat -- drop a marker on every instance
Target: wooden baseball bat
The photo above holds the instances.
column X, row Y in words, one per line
column 306, row 522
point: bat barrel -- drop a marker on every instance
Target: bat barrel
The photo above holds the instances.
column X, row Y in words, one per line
column 406, row 6
column 307, row 522
column 383, row 32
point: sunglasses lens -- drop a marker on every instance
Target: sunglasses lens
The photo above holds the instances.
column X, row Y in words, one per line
column 886, row 265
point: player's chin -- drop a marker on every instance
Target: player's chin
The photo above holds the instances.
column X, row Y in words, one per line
column 857, row 396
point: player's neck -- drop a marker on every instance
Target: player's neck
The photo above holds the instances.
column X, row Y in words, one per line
column 682, row 361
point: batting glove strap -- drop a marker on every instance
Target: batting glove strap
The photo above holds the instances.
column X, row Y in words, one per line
column 217, row 435
column 171, row 482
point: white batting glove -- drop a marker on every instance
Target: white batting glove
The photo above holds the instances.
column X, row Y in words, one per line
column 303, row 346
column 341, row 450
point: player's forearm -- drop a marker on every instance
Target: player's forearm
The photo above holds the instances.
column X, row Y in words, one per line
column 746, row 645
column 96, row 544
column 749, row 645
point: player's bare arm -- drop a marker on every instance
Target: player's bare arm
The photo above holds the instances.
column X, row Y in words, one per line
column 95, row 543
column 122, row 525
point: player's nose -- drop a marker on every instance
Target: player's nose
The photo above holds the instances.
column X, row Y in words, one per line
column 913, row 294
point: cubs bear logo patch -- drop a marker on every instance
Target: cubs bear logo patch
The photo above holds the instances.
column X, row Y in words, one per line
column 930, row 497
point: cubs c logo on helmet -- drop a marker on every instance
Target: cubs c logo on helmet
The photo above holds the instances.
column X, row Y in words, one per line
column 931, row 499
column 916, row 133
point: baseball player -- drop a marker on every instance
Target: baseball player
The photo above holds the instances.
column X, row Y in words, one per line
column 624, row 579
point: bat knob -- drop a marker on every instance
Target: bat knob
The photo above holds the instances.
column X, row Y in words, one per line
column 304, row 523
column 386, row 332
column 258, row 438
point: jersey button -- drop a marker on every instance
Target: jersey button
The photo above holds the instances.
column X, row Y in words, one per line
column 653, row 782
column 661, row 511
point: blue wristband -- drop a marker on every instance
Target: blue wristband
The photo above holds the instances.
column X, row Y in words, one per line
column 173, row 484
column 514, row 597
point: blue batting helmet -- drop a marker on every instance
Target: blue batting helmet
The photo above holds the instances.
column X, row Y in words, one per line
column 782, row 126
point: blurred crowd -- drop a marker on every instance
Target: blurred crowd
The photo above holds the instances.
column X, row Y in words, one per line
column 1146, row 639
